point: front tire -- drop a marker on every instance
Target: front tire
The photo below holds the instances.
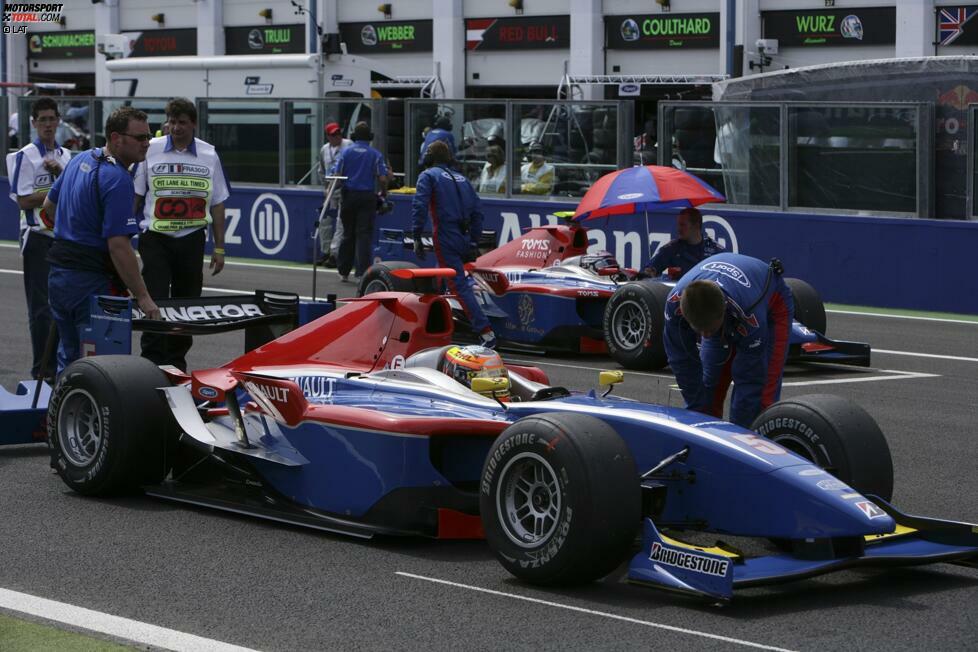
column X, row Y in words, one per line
column 378, row 278
column 560, row 499
column 633, row 322
column 835, row 434
column 809, row 307
column 108, row 425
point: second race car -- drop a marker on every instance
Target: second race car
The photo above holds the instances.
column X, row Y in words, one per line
column 543, row 291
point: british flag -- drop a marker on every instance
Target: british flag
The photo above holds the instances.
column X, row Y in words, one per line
column 950, row 24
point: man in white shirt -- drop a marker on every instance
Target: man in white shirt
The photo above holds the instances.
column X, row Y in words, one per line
column 32, row 171
column 183, row 189
column 331, row 228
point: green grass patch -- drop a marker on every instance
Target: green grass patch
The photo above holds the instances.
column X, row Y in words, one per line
column 904, row 312
column 25, row 636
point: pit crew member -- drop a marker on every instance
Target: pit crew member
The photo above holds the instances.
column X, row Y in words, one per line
column 456, row 217
column 92, row 203
column 742, row 310
column 678, row 256
column 33, row 170
column 182, row 189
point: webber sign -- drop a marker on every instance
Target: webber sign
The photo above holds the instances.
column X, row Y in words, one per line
column 265, row 39
column 662, row 31
column 61, row 45
column 874, row 26
column 387, row 36
column 531, row 33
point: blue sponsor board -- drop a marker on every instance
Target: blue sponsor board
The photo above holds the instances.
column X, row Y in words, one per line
column 870, row 261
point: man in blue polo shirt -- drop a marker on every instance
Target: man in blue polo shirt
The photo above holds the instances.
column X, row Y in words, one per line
column 364, row 168
column 680, row 255
column 92, row 202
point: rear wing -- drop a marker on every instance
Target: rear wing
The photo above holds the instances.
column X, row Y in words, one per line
column 263, row 316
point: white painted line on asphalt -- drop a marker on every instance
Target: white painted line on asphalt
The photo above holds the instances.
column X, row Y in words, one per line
column 914, row 354
column 592, row 612
column 858, row 313
column 897, row 375
column 103, row 623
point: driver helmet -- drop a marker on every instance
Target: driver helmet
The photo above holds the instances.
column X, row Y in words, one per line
column 599, row 260
column 463, row 363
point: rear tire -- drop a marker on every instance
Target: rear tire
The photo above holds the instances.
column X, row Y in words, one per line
column 633, row 322
column 560, row 499
column 834, row 434
column 108, row 425
column 378, row 278
column 809, row 308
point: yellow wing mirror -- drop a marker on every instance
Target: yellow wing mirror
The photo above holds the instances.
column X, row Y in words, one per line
column 610, row 378
column 491, row 386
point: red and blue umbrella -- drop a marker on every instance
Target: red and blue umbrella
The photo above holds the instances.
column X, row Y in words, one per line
column 645, row 188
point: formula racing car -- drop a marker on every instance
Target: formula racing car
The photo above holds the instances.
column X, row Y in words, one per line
column 542, row 291
column 351, row 424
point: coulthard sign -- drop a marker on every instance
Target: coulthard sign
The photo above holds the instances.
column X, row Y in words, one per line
column 662, row 31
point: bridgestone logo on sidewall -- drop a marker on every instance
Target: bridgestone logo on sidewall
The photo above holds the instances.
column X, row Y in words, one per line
column 688, row 561
column 785, row 423
column 522, row 439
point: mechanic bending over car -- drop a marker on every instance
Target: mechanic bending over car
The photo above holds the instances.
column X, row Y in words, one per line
column 678, row 256
column 33, row 170
column 742, row 310
column 456, row 217
column 92, row 203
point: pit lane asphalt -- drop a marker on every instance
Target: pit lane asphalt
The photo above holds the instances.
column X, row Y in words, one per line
column 276, row 587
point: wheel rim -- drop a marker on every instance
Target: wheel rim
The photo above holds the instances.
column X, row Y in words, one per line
column 629, row 324
column 375, row 285
column 79, row 428
column 529, row 501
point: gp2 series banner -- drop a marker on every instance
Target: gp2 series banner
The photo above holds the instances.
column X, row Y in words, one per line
column 865, row 261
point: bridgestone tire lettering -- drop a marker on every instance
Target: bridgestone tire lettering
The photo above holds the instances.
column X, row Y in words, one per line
column 599, row 498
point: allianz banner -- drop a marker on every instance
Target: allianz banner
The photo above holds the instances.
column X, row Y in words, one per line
column 817, row 27
column 662, row 31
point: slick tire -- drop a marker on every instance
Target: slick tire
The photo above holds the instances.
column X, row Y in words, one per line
column 835, row 434
column 809, row 308
column 560, row 499
column 633, row 322
column 378, row 278
column 109, row 426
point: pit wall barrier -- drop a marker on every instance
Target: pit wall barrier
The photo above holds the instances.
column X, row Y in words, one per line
column 869, row 261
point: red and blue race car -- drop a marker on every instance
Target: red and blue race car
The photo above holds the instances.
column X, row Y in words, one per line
column 542, row 291
column 351, row 424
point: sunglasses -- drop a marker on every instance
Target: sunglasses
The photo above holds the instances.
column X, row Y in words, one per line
column 143, row 138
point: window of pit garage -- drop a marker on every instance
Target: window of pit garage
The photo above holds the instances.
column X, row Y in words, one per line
column 736, row 148
column 972, row 167
column 305, row 133
column 849, row 157
column 246, row 135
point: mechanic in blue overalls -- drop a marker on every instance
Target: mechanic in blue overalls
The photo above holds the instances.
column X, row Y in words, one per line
column 94, row 221
column 442, row 132
column 741, row 310
column 678, row 256
column 456, row 218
